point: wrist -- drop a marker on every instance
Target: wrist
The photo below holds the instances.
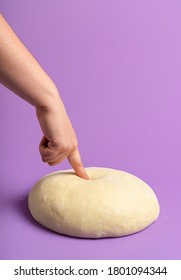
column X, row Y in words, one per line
column 51, row 102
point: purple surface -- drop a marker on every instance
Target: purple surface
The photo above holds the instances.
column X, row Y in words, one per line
column 117, row 65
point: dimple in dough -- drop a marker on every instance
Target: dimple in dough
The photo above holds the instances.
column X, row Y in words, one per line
column 112, row 203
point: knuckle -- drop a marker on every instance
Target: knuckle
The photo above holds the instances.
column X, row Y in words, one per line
column 44, row 159
column 68, row 147
column 65, row 147
column 47, row 156
column 73, row 146
column 51, row 163
column 76, row 143
column 75, row 140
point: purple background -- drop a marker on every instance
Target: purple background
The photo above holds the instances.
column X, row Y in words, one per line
column 117, row 65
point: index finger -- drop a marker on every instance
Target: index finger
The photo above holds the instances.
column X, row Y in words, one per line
column 75, row 161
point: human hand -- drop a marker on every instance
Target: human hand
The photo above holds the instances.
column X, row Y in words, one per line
column 59, row 141
column 21, row 73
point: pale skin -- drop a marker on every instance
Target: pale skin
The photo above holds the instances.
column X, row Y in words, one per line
column 22, row 74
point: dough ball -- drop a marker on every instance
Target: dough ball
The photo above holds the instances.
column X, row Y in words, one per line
column 112, row 203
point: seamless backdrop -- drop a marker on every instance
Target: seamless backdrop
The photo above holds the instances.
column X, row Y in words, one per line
column 117, row 65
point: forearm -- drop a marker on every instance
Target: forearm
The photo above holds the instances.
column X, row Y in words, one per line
column 21, row 73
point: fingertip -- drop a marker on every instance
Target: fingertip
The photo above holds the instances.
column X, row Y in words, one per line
column 86, row 177
column 75, row 161
column 81, row 172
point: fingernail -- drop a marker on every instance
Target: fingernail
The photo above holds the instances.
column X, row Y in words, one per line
column 86, row 176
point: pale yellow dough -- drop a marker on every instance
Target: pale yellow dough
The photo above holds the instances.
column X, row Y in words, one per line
column 112, row 203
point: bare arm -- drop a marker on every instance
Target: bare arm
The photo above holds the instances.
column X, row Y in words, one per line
column 21, row 73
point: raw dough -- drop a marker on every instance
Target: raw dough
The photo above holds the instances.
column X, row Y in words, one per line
column 112, row 203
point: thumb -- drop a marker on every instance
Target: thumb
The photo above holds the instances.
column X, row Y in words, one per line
column 75, row 161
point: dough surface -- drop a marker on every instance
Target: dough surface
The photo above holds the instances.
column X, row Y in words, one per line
column 112, row 203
